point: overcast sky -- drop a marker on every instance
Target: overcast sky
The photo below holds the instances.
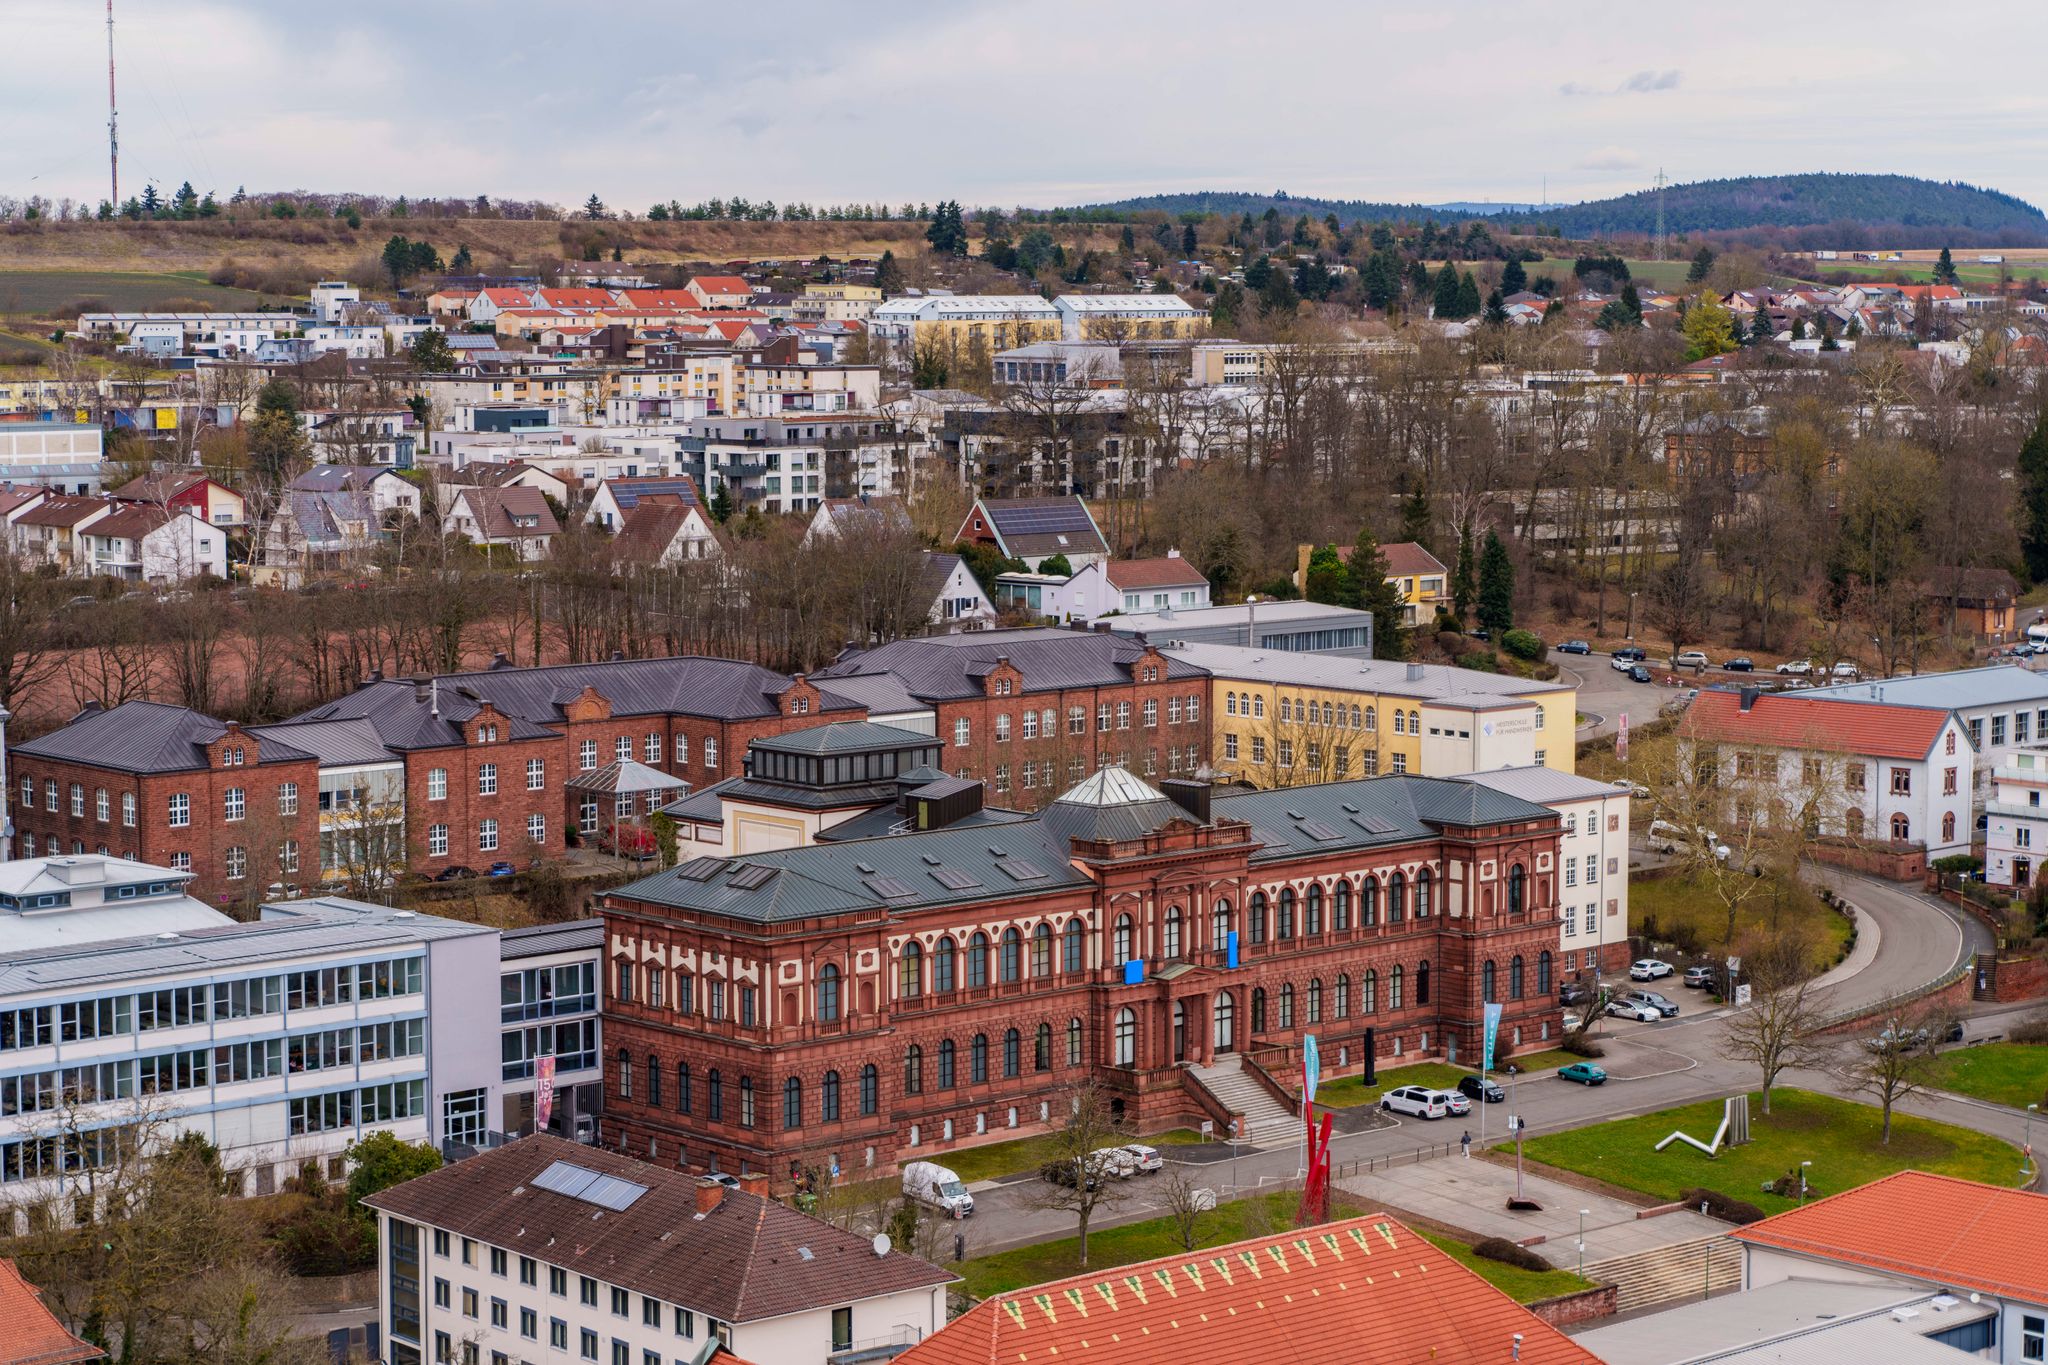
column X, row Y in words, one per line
column 1054, row 101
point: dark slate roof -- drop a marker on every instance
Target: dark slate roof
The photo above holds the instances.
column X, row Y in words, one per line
column 846, row 736
column 336, row 743
column 1044, row 526
column 702, row 805
column 744, row 1261
column 882, row 822
column 1109, row 806
column 539, row 940
column 627, row 492
column 143, row 737
column 942, row 667
column 1294, row 821
column 339, row 478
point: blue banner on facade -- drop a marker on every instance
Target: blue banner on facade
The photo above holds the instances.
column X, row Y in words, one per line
column 1134, row 971
column 1492, row 1014
column 1230, row 949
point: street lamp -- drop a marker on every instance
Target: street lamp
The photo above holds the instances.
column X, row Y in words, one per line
column 1516, row 1119
column 2027, row 1168
column 1631, row 618
column 1802, row 1180
column 1582, row 1242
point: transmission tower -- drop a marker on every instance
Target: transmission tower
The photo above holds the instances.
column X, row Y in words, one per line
column 113, row 134
column 1661, row 182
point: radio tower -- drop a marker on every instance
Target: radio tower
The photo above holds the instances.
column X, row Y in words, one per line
column 1660, row 204
column 113, row 134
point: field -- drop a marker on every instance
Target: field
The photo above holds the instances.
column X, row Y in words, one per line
column 1839, row 1137
column 2003, row 1073
column 1918, row 267
column 1688, row 912
column 51, row 293
column 1257, row 1216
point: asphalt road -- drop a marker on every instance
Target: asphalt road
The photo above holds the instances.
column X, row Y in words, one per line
column 1604, row 694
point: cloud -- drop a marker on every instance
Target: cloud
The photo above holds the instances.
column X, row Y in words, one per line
column 1641, row 83
column 1609, row 159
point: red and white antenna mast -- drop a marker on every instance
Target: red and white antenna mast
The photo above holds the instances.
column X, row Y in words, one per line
column 113, row 136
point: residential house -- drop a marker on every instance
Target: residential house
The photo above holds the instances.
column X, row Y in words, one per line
column 36, row 1336
column 662, row 530
column 389, row 492
column 48, row 531
column 512, row 474
column 836, row 302
column 361, row 436
column 1419, row 576
column 616, row 498
column 1033, row 530
column 2015, row 820
column 1973, row 602
column 2005, row 708
column 148, row 544
column 958, row 603
column 1121, row 317
column 516, row 518
column 1168, row 583
column 180, row 490
column 1592, row 861
column 315, row 533
column 859, row 516
column 625, row 1258
column 720, row 291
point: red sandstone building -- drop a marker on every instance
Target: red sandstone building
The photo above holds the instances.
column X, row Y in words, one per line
column 863, row 1003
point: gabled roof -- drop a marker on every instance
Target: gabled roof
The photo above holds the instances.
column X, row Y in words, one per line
column 628, row 491
column 1168, row 571
column 1958, row 1234
column 942, row 667
column 58, row 510
column 34, row 1334
column 334, row 478
column 1406, row 559
column 746, row 1260
column 163, row 486
column 132, row 522
column 142, row 737
column 1789, row 721
column 720, row 284
column 1041, row 526
column 1362, row 1289
column 498, row 510
column 652, row 525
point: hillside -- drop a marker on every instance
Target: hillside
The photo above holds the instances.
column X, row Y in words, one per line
column 1913, row 207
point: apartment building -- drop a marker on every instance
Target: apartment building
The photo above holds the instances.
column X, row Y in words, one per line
column 550, row 1031
column 983, row 322
column 1592, row 863
column 1122, row 317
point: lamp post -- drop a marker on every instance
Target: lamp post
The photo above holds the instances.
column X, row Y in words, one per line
column 1515, row 1118
column 2028, row 1170
column 1802, row 1180
column 1582, row 1242
column 1631, row 636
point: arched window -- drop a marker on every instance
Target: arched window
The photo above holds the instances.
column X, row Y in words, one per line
column 1369, row 902
column 1126, row 1037
column 977, row 960
column 1543, row 975
column 913, row 1070
column 1356, row 722
column 792, row 1103
column 1902, row 829
column 1258, row 1009
column 1041, row 951
column 1171, row 948
column 1315, row 1001
column 1515, row 977
column 653, row 1081
column 1073, row 950
column 1286, row 708
column 948, row 1055
column 828, row 992
column 1342, row 999
column 1852, row 820
column 1225, row 1017
column 1422, row 984
column 1424, row 883
column 625, row 1074
column 1400, row 721
column 1041, row 1048
column 1013, row 954
column 1394, row 988
column 1256, row 912
column 828, row 1097
column 1073, row 1042
column 1414, row 722
column 714, row 1096
column 977, row 1058
column 682, row 1087
column 1372, row 717
column 1219, row 926
column 1313, row 911
column 1286, row 926
column 1121, row 943
column 910, row 971
column 1341, row 909
column 1287, row 1004
column 1368, row 992
column 1517, row 889
column 944, row 955
column 1486, row 982
column 1013, row 1052
column 1948, row 827
column 870, row 1090
column 746, row 1101
column 1397, row 897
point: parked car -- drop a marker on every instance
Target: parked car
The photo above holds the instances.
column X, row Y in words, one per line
column 1664, row 1005
column 501, row 868
column 1575, row 647
column 1796, row 667
column 1067, row 1171
column 1419, row 1101
column 1571, row 1021
column 936, row 1185
column 1629, row 1009
column 1573, row 993
column 1648, row 969
column 1487, row 1092
column 1626, row 655
column 1148, row 1158
column 1665, row 837
column 1637, row 673
column 1740, row 664
column 1845, row 669
column 1699, row 977
column 628, row 841
column 1691, row 658
column 1455, row 1102
column 1115, row 1162
column 455, row 874
column 1585, row 1073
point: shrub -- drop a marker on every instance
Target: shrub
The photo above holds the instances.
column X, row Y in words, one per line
column 1508, row 1253
column 1581, row 1046
column 2032, row 1029
column 1524, row 644
column 1722, row 1207
column 1480, row 661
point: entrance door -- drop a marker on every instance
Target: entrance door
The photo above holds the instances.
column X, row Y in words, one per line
column 1226, row 1023
column 1180, row 1030
column 2022, row 872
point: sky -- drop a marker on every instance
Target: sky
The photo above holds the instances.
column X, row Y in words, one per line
column 1041, row 103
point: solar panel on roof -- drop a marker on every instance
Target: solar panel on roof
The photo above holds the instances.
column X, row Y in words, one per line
column 953, row 879
column 751, row 876
column 889, row 889
column 1373, row 824
column 1021, row 870
column 592, row 1187
column 1316, row 829
column 700, row 869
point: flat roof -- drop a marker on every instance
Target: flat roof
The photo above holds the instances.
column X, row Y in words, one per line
column 1813, row 1322
column 1438, row 682
column 1992, row 685
column 1544, row 785
column 1194, row 618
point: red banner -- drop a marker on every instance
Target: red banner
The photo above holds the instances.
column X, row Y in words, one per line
column 543, row 1092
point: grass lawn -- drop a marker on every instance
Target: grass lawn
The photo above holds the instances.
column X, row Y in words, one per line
column 43, row 293
column 1347, row 1092
column 1028, row 1154
column 1549, row 1060
column 1686, row 911
column 2004, row 1073
column 1231, row 1222
column 1839, row 1137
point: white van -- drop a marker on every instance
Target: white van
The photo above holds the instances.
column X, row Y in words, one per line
column 930, row 1183
column 1665, row 837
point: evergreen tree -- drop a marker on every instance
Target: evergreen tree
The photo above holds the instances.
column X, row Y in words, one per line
column 948, row 230
column 1463, row 591
column 888, row 274
column 1128, row 241
column 1496, row 588
column 185, row 203
column 593, row 208
column 1227, row 308
column 1468, row 296
column 721, row 503
column 461, row 264
column 1632, row 301
column 1945, row 268
column 1418, row 279
column 1702, row 262
column 1329, row 579
column 2032, row 469
column 1709, row 328
column 277, row 448
column 431, row 353
column 1415, row 516
column 1375, row 591
column 1444, row 303
column 1513, row 278
column 208, row 208
column 1496, row 310
column 1827, row 334
column 1189, row 242
column 1278, row 298
column 151, row 201
column 1761, row 329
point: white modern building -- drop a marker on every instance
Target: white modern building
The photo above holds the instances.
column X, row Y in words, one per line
column 2016, row 820
column 1592, row 885
column 64, row 456
column 543, row 1250
column 124, row 1000
column 144, row 544
column 2004, row 707
column 332, row 299
column 548, row 1009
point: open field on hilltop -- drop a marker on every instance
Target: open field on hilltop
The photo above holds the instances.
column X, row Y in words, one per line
column 52, row 293
column 1838, row 1136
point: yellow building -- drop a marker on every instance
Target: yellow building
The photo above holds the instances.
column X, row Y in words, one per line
column 964, row 322
column 837, row 302
column 1286, row 719
column 1129, row 317
column 1419, row 576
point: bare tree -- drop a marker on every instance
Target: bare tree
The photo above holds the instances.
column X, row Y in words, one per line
column 1086, row 1184
column 1897, row 1064
column 1776, row 1033
column 1188, row 1205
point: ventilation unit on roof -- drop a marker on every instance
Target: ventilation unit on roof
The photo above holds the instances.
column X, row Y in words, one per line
column 1296, row 815
column 929, row 860
column 864, row 869
column 1350, row 809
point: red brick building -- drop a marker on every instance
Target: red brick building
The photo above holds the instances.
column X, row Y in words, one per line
column 879, row 1000
column 1032, row 712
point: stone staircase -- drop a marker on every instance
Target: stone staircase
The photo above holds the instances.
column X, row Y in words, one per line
column 1267, row 1121
column 1670, row 1274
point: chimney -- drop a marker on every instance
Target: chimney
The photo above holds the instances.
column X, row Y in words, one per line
column 755, row 1184
column 1749, row 696
column 1190, row 795
column 1414, row 672
column 421, row 688
column 618, row 656
column 1173, row 554
column 376, row 675
column 498, row 660
column 710, row 1194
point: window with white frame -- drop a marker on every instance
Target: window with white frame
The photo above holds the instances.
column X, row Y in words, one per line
column 100, row 805
column 487, row 779
column 437, row 841
column 487, row 836
column 682, row 751
column 234, row 803
column 710, row 751
column 586, row 755
column 622, row 749
column 652, row 748
column 537, row 828
column 287, row 798
column 961, row 731
column 437, row 784
column 536, row 774
column 128, row 810
column 237, row 863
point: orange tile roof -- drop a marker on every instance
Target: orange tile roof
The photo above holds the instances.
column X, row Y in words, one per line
column 1956, row 1233
column 33, row 1335
column 721, row 284
column 576, row 298
column 1363, row 1289
column 1167, row 571
column 1788, row 721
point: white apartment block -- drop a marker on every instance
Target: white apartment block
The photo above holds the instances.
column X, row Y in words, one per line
column 2016, row 820
column 2004, row 707
column 1592, row 884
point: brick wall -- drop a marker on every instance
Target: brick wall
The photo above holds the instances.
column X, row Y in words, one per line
column 1584, row 1306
